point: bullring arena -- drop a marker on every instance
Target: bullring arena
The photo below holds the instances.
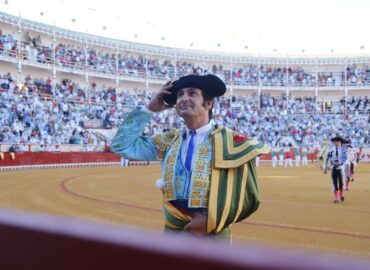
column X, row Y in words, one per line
column 296, row 210
column 60, row 186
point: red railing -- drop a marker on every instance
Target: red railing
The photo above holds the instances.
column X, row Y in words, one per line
column 29, row 158
column 34, row 241
column 35, row 158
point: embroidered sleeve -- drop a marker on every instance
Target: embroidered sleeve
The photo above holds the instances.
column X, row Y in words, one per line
column 128, row 141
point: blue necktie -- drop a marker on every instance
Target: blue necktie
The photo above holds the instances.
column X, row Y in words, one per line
column 189, row 153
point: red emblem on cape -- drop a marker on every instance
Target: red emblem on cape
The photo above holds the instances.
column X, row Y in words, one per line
column 240, row 137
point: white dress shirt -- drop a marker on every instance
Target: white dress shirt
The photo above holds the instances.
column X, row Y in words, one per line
column 200, row 136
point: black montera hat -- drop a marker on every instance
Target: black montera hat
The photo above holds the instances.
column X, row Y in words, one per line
column 337, row 138
column 210, row 84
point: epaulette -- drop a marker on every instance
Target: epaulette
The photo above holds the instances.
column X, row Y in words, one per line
column 233, row 149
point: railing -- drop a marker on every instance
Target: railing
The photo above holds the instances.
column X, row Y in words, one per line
column 38, row 159
column 43, row 242
column 108, row 68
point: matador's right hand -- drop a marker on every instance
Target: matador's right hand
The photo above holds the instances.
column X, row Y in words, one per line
column 157, row 104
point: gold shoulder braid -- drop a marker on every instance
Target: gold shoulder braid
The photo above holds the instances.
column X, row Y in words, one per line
column 164, row 140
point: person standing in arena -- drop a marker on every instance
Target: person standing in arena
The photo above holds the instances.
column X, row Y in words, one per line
column 297, row 157
column 337, row 156
column 322, row 154
column 208, row 179
column 349, row 166
column 288, row 158
column 281, row 157
column 304, row 156
column 274, row 157
column 257, row 161
column 124, row 161
column 356, row 160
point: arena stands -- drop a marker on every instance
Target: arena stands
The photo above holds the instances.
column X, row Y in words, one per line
column 57, row 86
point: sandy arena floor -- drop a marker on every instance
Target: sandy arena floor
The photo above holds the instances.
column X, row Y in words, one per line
column 296, row 212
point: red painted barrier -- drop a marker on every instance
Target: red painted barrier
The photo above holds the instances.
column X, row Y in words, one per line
column 30, row 158
column 38, row 158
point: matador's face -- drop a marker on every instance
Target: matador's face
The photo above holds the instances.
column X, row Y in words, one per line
column 190, row 104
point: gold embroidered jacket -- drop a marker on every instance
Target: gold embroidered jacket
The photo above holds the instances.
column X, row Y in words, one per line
column 233, row 190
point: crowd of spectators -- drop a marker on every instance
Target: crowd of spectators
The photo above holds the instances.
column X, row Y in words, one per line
column 27, row 117
column 137, row 65
column 281, row 117
column 39, row 112
column 42, row 112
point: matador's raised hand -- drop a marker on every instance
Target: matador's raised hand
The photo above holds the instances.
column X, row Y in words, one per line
column 157, row 104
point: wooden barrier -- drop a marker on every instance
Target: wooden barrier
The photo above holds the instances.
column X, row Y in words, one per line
column 30, row 158
column 34, row 158
column 34, row 241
